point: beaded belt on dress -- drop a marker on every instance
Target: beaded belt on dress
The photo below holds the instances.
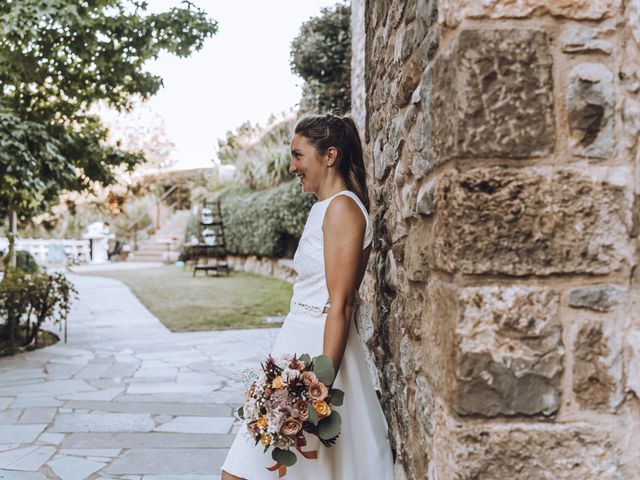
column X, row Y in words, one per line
column 314, row 308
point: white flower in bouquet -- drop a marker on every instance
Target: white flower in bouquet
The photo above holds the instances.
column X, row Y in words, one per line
column 283, row 362
column 289, row 374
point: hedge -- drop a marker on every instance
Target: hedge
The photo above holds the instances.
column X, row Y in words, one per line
column 264, row 223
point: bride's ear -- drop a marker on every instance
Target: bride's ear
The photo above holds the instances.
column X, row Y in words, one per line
column 332, row 156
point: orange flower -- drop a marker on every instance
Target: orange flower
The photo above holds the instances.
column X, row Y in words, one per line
column 262, row 422
column 265, row 440
column 322, row 408
column 277, row 382
column 253, row 428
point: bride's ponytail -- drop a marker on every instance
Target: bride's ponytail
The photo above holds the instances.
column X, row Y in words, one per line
column 324, row 131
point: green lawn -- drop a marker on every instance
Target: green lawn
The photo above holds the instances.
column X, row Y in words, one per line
column 187, row 304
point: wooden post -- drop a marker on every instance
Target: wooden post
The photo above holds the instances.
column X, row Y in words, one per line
column 13, row 231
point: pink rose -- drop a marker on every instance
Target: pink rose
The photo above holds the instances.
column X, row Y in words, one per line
column 291, row 426
column 302, row 409
column 308, row 378
column 318, row 391
column 297, row 364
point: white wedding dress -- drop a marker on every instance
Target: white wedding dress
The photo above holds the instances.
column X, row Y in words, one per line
column 362, row 451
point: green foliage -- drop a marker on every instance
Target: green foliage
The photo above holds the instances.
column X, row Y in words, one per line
column 313, row 415
column 284, row 457
column 321, row 55
column 57, row 58
column 27, row 301
column 337, row 397
column 324, row 370
column 266, row 223
column 329, row 427
column 261, row 154
column 26, row 262
column 135, row 216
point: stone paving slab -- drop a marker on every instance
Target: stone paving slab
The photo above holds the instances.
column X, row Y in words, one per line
column 168, row 461
column 208, row 410
column 125, row 398
column 147, row 440
column 15, row 475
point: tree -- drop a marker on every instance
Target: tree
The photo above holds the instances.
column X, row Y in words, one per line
column 139, row 130
column 321, row 55
column 260, row 154
column 59, row 57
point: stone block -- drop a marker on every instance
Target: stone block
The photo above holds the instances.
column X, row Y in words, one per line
column 501, row 104
column 578, row 38
column 597, row 367
column 454, row 11
column 600, row 298
column 535, row 451
column 589, row 103
column 509, row 344
column 529, row 221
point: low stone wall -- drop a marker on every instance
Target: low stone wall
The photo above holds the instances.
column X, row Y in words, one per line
column 281, row 268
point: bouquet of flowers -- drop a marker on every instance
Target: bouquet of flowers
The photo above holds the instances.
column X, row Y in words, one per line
column 292, row 395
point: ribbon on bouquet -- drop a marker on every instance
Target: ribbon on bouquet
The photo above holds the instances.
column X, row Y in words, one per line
column 300, row 442
column 282, row 470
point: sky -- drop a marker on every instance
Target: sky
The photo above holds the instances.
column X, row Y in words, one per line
column 242, row 73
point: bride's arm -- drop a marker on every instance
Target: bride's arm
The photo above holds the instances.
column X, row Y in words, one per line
column 343, row 228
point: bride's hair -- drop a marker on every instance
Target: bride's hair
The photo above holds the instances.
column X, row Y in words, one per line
column 328, row 130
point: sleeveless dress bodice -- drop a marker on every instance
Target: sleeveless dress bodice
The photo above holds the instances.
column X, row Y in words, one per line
column 310, row 289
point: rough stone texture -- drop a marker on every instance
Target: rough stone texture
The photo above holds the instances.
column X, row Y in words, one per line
column 633, row 362
column 632, row 10
column 597, row 368
column 533, row 452
column 500, row 184
column 577, row 38
column 590, row 100
column 509, row 351
column 456, row 10
column 501, row 105
column 601, row 298
column 518, row 222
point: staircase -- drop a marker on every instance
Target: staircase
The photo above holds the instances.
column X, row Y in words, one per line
column 167, row 239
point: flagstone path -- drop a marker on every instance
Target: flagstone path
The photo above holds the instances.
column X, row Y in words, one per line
column 124, row 398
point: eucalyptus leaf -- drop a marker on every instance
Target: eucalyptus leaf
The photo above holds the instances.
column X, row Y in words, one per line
column 313, row 415
column 241, row 412
column 323, row 368
column 337, row 397
column 329, row 427
column 305, row 358
column 284, row 457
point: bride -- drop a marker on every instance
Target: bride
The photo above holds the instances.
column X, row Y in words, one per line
column 326, row 156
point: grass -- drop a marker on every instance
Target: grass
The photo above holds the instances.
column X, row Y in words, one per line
column 186, row 304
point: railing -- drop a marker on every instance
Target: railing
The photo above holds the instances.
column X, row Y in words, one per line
column 77, row 251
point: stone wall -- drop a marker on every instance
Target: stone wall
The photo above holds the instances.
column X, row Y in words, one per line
column 501, row 139
column 281, row 268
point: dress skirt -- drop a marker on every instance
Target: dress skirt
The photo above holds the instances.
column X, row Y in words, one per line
column 362, row 450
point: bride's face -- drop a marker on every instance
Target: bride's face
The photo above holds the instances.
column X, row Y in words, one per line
column 306, row 164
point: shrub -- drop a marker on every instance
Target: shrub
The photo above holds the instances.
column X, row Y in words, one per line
column 26, row 262
column 27, row 301
column 264, row 223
